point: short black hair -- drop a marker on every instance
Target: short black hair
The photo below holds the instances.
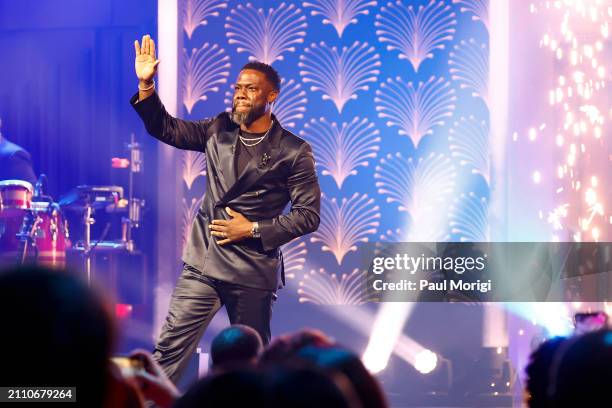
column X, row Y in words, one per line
column 270, row 73
column 235, row 344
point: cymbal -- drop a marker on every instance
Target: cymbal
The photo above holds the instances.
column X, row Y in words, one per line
column 96, row 197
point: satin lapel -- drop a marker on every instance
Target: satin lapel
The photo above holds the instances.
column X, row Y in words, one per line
column 226, row 148
column 257, row 167
column 253, row 171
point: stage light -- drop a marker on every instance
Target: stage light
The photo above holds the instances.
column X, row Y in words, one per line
column 385, row 334
column 123, row 311
column 375, row 361
column 426, row 361
column 119, row 163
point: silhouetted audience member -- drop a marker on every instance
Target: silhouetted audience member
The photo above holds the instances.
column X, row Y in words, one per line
column 582, row 371
column 239, row 388
column 235, row 346
column 152, row 381
column 272, row 387
column 538, row 372
column 305, row 387
column 340, row 360
column 58, row 332
column 286, row 346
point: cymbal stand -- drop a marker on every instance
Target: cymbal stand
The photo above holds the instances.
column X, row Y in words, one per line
column 134, row 204
column 88, row 221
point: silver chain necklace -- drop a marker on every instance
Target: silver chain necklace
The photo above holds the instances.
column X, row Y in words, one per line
column 259, row 139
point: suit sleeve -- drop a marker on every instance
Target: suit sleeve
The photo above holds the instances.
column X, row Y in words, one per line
column 305, row 195
column 179, row 133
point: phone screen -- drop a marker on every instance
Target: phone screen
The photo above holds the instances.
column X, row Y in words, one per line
column 128, row 366
column 588, row 322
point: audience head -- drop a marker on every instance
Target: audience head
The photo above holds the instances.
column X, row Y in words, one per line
column 313, row 349
column 59, row 333
column 538, row 372
column 270, row 387
column 340, row 360
column 237, row 388
column 304, row 387
column 234, row 346
column 287, row 346
column 582, row 370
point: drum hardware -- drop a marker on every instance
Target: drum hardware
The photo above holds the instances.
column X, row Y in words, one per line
column 96, row 197
column 128, row 224
column 27, row 223
column 88, row 199
column 88, row 221
column 135, row 205
column 15, row 195
column 30, row 227
column 39, row 189
column 44, row 230
column 26, row 236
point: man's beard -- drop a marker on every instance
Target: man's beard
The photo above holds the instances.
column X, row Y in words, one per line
column 248, row 117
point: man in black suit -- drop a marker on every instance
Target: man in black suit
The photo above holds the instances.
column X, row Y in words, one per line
column 254, row 168
column 15, row 162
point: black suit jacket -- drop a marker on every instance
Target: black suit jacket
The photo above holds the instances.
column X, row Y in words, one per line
column 285, row 173
column 15, row 163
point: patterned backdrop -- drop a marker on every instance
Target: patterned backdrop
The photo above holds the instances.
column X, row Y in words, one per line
column 393, row 97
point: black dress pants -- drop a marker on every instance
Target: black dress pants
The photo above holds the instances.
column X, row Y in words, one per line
column 195, row 301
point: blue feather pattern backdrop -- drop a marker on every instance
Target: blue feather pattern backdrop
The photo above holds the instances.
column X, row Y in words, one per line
column 392, row 95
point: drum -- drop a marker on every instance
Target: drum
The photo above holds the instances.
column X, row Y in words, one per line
column 15, row 195
column 51, row 235
column 10, row 225
column 48, row 231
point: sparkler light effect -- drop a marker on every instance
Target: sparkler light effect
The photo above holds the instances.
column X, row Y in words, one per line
column 578, row 38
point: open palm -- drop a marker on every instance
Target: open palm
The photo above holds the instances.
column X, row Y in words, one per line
column 146, row 62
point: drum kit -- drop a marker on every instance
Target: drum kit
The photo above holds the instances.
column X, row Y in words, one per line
column 30, row 229
column 35, row 229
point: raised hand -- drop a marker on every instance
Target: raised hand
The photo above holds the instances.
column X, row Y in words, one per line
column 152, row 382
column 146, row 61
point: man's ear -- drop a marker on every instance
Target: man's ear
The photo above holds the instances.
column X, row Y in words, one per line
column 272, row 96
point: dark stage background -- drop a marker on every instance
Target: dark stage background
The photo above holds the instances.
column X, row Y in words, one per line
column 66, row 79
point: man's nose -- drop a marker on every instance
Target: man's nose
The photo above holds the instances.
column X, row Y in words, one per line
column 239, row 94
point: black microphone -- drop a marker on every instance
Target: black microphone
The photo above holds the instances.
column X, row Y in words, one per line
column 38, row 187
